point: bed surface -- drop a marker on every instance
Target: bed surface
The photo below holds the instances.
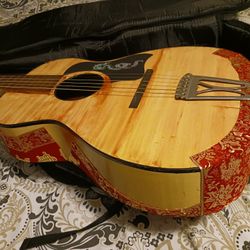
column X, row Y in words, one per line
column 15, row 11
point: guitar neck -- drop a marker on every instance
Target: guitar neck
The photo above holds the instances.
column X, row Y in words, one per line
column 28, row 83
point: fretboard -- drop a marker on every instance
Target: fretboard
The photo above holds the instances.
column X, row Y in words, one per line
column 29, row 83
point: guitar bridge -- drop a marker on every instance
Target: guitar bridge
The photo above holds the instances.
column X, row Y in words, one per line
column 188, row 88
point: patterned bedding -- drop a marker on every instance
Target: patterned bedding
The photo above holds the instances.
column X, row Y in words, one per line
column 12, row 11
column 32, row 203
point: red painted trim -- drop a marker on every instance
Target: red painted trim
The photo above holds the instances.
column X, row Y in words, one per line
column 227, row 164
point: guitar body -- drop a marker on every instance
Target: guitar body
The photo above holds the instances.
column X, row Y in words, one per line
column 129, row 134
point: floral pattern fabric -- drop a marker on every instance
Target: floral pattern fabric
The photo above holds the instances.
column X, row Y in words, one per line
column 244, row 16
column 32, row 203
column 12, row 11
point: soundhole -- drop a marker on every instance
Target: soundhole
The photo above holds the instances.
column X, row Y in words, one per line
column 79, row 87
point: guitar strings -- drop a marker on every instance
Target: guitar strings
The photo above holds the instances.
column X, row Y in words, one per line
column 89, row 84
column 94, row 85
column 167, row 93
column 88, row 73
column 114, row 89
column 126, row 78
column 118, row 91
column 121, row 77
column 75, row 80
column 122, row 91
column 145, row 93
column 47, row 80
column 72, row 84
column 171, row 85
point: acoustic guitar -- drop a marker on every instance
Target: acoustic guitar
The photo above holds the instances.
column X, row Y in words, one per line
column 165, row 131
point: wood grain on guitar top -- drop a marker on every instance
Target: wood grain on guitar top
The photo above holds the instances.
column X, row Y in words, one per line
column 160, row 132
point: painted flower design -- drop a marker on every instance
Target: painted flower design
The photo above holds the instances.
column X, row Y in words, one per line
column 224, row 193
column 232, row 142
column 220, row 196
column 230, row 169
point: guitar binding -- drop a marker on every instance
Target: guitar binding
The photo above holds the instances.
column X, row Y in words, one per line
column 187, row 88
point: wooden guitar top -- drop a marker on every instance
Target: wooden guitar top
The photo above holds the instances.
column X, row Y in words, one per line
column 160, row 132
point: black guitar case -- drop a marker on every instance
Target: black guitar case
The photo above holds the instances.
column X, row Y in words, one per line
column 114, row 28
